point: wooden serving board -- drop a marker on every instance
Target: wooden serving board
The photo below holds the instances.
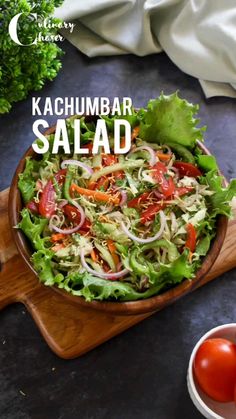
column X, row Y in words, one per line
column 70, row 329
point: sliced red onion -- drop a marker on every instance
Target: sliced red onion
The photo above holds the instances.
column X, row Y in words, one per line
column 106, row 210
column 153, row 158
column 62, row 203
column 56, row 218
column 115, row 275
column 123, row 198
column 77, row 163
column 201, row 145
column 150, row 239
column 68, row 230
column 174, row 169
column 159, row 195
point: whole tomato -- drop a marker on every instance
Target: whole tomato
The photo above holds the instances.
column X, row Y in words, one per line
column 215, row 369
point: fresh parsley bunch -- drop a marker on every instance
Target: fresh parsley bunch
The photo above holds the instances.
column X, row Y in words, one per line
column 26, row 68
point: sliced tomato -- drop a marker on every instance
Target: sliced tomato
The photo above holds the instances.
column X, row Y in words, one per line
column 158, row 171
column 191, row 237
column 135, row 202
column 33, row 207
column 150, row 212
column 187, row 169
column 166, row 185
column 86, row 226
column 180, row 191
column 168, row 188
column 92, row 186
column 109, row 159
column 61, row 176
column 72, row 213
column 47, row 202
column 119, row 174
column 88, row 146
column 103, row 183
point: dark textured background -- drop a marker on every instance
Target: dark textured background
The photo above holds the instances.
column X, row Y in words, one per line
column 140, row 374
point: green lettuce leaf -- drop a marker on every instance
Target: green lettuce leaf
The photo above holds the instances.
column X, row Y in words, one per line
column 219, row 202
column 171, row 119
column 93, row 288
column 42, row 260
column 207, row 163
column 133, row 119
column 26, row 182
column 171, row 273
column 203, row 246
column 33, row 226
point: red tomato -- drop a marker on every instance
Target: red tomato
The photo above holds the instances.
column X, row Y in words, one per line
column 191, row 237
column 150, row 212
column 180, row 191
column 166, row 186
column 215, row 369
column 33, row 207
column 72, row 213
column 109, row 159
column 47, row 202
column 119, row 174
column 88, row 146
column 103, row 182
column 86, row 226
column 133, row 203
column 187, row 169
column 61, row 176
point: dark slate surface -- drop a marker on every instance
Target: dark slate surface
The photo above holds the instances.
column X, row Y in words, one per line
column 142, row 373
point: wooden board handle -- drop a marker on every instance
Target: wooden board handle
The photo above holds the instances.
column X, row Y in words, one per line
column 70, row 329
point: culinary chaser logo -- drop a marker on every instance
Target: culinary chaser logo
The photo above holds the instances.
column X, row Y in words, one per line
column 47, row 23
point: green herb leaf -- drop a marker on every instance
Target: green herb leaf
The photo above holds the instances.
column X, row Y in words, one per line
column 26, row 68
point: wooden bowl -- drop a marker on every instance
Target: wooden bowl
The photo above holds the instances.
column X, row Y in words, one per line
column 151, row 304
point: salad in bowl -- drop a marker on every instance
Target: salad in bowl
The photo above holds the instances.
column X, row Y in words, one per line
column 127, row 227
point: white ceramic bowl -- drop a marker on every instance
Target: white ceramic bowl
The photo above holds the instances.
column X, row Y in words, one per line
column 209, row 408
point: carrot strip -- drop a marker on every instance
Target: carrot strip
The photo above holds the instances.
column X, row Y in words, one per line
column 57, row 237
column 94, row 256
column 135, row 132
column 122, row 142
column 112, row 249
column 97, row 195
column 57, row 247
column 163, row 156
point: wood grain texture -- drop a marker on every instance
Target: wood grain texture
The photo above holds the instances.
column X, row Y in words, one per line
column 69, row 328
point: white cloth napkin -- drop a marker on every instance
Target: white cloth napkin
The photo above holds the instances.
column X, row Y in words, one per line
column 198, row 35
